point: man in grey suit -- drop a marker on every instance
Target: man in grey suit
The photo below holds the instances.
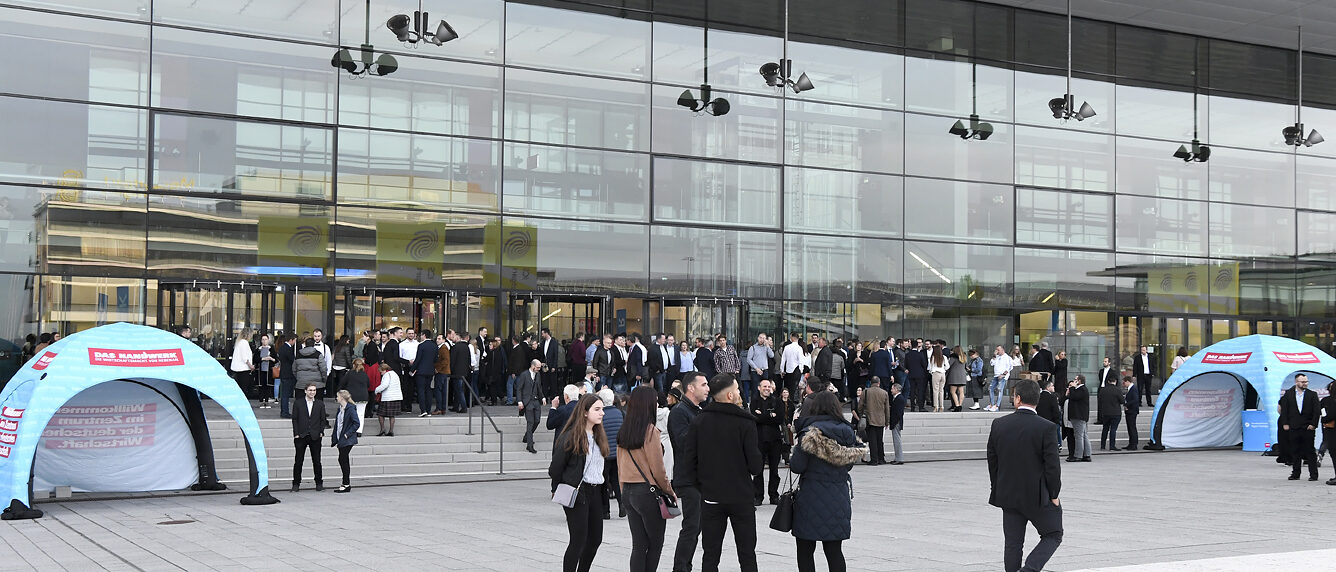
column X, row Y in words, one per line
column 529, row 394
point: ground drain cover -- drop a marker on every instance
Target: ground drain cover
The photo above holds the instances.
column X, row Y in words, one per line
column 176, row 522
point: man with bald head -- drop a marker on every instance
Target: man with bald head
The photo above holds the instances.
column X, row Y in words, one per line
column 529, row 394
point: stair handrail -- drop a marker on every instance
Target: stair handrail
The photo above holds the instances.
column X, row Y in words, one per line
column 482, row 437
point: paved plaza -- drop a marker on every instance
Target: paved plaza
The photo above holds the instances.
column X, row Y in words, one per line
column 1201, row 510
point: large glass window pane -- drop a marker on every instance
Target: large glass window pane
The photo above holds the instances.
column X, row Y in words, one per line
column 565, row 261
column 1160, row 226
column 18, row 320
column 862, row 76
column 418, row 249
column 76, row 303
column 238, row 240
column 932, row 152
column 958, row 88
column 202, row 154
column 946, row 210
column 1034, row 90
column 73, row 144
column 87, row 59
column 196, row 71
column 945, row 273
column 417, row 171
column 838, row 137
column 878, row 270
column 705, row 192
column 1252, row 287
column 1317, row 235
column 578, row 41
column 818, row 267
column 1253, row 177
column 575, row 182
column 735, row 57
column 714, row 262
column 1316, row 183
column 1058, row 217
column 427, row 95
column 1064, row 278
column 1169, row 284
column 571, row 110
column 71, row 230
column 478, row 23
column 309, row 20
column 750, row 131
column 840, row 202
column 132, row 9
column 1159, row 113
column 1064, row 158
column 1249, row 124
column 1247, row 231
column 1147, row 167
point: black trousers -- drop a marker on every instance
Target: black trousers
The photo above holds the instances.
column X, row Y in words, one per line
column 344, row 464
column 920, row 391
column 611, row 488
column 1047, row 521
column 533, row 410
column 1302, row 451
column 1132, row 437
column 876, row 443
column 1070, row 436
column 302, row 444
column 1108, row 431
column 647, row 526
column 688, row 498
column 1329, row 439
column 769, row 456
column 791, row 383
column 807, row 552
column 714, row 518
column 1144, row 386
column 584, row 522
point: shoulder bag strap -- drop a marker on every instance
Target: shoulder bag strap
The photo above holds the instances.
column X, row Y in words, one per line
column 653, row 485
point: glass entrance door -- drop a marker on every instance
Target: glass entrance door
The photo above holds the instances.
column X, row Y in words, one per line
column 217, row 312
column 690, row 319
column 372, row 309
column 564, row 316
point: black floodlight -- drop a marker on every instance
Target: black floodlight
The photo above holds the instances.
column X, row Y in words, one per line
column 418, row 28
column 716, row 107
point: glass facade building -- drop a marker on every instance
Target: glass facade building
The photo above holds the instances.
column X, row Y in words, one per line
column 171, row 162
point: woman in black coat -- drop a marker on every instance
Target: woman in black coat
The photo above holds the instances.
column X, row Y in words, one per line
column 577, row 461
column 358, row 385
column 823, row 510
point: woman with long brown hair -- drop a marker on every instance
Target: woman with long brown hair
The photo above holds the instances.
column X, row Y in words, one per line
column 577, row 461
column 937, row 365
column 641, row 471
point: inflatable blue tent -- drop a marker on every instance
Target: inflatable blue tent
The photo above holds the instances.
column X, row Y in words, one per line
column 118, row 408
column 1201, row 404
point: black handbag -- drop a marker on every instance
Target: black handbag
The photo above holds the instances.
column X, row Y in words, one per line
column 783, row 517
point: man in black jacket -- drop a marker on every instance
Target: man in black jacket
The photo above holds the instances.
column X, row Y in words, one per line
column 704, row 359
column 461, row 367
column 695, row 388
column 1131, row 407
column 769, row 412
column 1077, row 399
column 1048, row 403
column 1110, row 411
column 424, row 369
column 1042, row 360
column 916, row 363
column 1144, row 368
column 287, row 377
column 308, row 426
column 1299, row 416
column 1026, row 479
column 722, row 457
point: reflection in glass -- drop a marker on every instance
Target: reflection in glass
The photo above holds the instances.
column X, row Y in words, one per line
column 941, row 273
column 580, row 183
column 1160, row 226
column 571, row 40
column 566, row 261
column 714, row 262
column 1064, row 278
column 818, row 267
column 1160, row 113
column 848, row 75
column 878, row 270
column 1055, row 218
column 1033, row 90
column 951, row 210
column 1149, row 168
column 706, row 192
column 932, row 152
column 1064, row 158
column 130, row 9
column 946, row 87
column 1252, row 177
column 478, row 22
column 73, row 145
column 1249, row 124
column 750, row 132
column 570, row 110
column 76, row 58
column 735, row 57
column 63, row 230
column 838, row 137
column 309, row 20
column 840, row 202
column 1316, row 183
column 427, row 95
column 227, row 239
column 76, row 303
column 199, row 154
column 418, row 171
column 1317, row 235
column 414, row 249
column 1238, row 230
column 1169, row 284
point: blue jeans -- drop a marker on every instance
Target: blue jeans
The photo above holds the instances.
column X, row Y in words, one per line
column 747, row 386
column 660, row 382
column 510, row 390
column 619, row 384
column 995, row 389
column 473, row 379
column 440, row 383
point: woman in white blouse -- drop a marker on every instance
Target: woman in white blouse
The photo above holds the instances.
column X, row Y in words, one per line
column 243, row 362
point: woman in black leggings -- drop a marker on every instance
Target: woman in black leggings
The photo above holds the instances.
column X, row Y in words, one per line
column 346, row 422
column 577, row 461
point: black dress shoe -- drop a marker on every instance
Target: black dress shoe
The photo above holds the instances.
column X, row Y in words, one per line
column 1085, row 459
column 1294, row 477
column 1312, row 477
column 1114, row 449
column 319, row 487
column 1071, row 459
column 295, row 488
column 621, row 510
column 897, row 462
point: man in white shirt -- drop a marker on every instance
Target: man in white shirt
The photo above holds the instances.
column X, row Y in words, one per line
column 326, row 356
column 1002, row 364
column 791, row 364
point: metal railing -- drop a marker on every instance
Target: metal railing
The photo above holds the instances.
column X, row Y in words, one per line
column 482, row 436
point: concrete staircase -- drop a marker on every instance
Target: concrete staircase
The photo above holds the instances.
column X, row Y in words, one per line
column 439, row 448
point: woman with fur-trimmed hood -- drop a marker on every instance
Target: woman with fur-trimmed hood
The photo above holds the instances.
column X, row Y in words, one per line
column 822, row 509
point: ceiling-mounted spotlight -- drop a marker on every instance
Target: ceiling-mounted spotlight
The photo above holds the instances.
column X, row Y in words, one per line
column 1294, row 135
column 779, row 74
column 368, row 63
column 1065, row 108
column 716, row 107
column 1196, row 153
column 417, row 29
column 975, row 130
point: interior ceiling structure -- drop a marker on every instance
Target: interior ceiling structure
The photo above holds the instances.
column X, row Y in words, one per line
column 1264, row 22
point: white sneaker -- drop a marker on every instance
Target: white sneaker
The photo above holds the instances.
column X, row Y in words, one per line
column 974, row 407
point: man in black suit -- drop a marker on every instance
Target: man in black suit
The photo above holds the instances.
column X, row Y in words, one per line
column 308, row 426
column 287, row 378
column 1131, row 407
column 1299, row 417
column 461, row 367
column 1026, row 479
column 1107, row 374
column 916, row 363
column 1042, row 360
column 704, row 359
column 424, row 369
column 1048, row 407
column 1144, row 369
column 548, row 347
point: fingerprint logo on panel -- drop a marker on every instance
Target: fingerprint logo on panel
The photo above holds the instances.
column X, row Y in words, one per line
column 517, row 244
column 306, row 240
column 1190, row 281
column 1167, row 283
column 1224, row 277
column 423, row 245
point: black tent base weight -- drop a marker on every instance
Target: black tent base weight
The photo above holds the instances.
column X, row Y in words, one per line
column 20, row 511
column 260, row 498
